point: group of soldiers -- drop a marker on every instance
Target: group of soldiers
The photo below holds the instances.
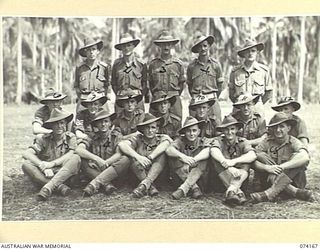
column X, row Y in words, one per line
column 105, row 146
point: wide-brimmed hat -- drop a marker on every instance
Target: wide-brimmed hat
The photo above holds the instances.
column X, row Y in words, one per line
column 229, row 120
column 58, row 115
column 250, row 43
column 94, row 96
column 125, row 39
column 281, row 117
column 190, row 121
column 52, row 95
column 165, row 37
column 148, row 119
column 128, row 94
column 88, row 42
column 246, row 98
column 200, row 99
column 287, row 100
column 102, row 115
column 161, row 96
column 200, row 39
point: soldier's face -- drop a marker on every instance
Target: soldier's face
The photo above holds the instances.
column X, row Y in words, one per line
column 288, row 109
column 246, row 109
column 202, row 110
column 92, row 52
column 163, row 107
column 130, row 105
column 93, row 107
column 281, row 131
column 127, row 49
column 192, row 133
column 166, row 48
column 250, row 54
column 54, row 104
column 203, row 48
column 103, row 125
column 230, row 133
column 150, row 130
column 59, row 127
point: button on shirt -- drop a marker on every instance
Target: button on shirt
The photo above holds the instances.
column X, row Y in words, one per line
column 204, row 77
column 167, row 76
column 127, row 124
column 191, row 148
column 232, row 151
column 133, row 76
column 103, row 145
column 256, row 81
column 47, row 149
column 171, row 125
column 41, row 115
column 144, row 148
column 254, row 128
column 281, row 153
column 95, row 78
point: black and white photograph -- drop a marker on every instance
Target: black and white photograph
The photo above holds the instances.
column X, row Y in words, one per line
column 175, row 118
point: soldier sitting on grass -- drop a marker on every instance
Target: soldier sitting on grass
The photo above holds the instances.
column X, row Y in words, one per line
column 93, row 103
column 51, row 161
column 281, row 161
column 147, row 151
column 51, row 100
column 189, row 154
column 288, row 105
column 232, row 156
column 101, row 161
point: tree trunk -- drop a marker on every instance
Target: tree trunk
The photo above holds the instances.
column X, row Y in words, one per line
column 207, row 26
column 115, row 38
column 42, row 84
column 318, row 57
column 19, row 62
column 1, row 64
column 57, row 56
column 274, row 62
column 60, row 66
column 302, row 58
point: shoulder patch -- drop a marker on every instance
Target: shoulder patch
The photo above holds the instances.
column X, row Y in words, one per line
column 175, row 117
column 69, row 134
column 177, row 60
column 237, row 67
column 139, row 112
column 104, row 64
column 257, row 114
column 265, row 67
column 139, row 60
column 213, row 60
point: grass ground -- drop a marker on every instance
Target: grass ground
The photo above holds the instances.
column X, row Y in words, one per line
column 19, row 194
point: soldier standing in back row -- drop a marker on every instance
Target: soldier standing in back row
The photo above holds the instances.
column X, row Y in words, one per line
column 204, row 74
column 92, row 74
column 251, row 76
column 166, row 72
column 129, row 71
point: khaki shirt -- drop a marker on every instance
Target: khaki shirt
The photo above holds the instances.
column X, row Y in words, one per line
column 171, row 125
column 132, row 76
column 103, row 145
column 128, row 125
column 300, row 130
column 47, row 149
column 83, row 122
column 281, row 153
column 144, row 148
column 204, row 77
column 95, row 78
column 256, row 81
column 167, row 76
column 191, row 149
column 240, row 147
column 41, row 115
column 253, row 128
column 209, row 128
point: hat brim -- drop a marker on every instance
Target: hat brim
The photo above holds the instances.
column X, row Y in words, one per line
column 82, row 50
column 210, row 40
column 254, row 99
column 260, row 47
column 222, row 127
column 45, row 100
column 48, row 123
column 120, row 101
column 171, row 99
column 173, row 41
column 292, row 122
column 102, row 100
column 199, row 123
column 296, row 106
column 143, row 124
column 112, row 117
column 119, row 46
column 194, row 106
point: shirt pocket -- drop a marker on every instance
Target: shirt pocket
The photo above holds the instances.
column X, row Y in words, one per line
column 84, row 82
column 135, row 79
column 258, row 84
column 174, row 79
